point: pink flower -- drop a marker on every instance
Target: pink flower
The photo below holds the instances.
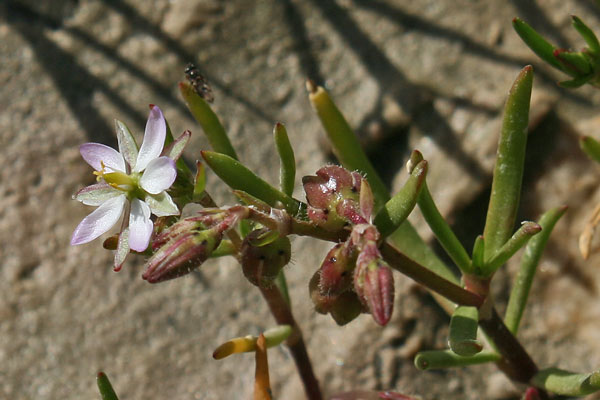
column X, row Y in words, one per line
column 131, row 181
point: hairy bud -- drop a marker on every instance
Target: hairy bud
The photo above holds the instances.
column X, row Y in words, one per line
column 374, row 284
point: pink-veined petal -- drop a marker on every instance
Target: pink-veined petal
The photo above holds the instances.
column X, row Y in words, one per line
column 159, row 175
column 99, row 221
column 154, row 139
column 96, row 194
column 97, row 154
column 140, row 225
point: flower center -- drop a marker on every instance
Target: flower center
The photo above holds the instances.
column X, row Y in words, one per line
column 117, row 179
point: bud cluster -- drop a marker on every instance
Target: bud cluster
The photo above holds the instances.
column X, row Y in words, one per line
column 353, row 278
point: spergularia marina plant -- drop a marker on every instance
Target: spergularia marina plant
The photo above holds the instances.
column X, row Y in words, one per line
column 348, row 205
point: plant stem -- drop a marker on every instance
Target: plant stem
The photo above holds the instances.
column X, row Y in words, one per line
column 516, row 362
column 283, row 315
column 429, row 279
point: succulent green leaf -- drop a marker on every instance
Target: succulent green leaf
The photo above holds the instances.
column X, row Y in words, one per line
column 529, row 263
column 567, row 383
column 576, row 82
column 287, row 171
column 438, row 224
column 537, row 43
column 200, row 180
column 237, row 176
column 591, row 147
column 518, row 240
column 106, row 390
column 200, row 109
column 587, row 34
column 576, row 62
column 508, row 172
column 399, row 207
column 463, row 331
column 439, row 359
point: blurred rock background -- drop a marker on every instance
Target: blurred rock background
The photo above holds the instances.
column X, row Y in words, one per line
column 431, row 75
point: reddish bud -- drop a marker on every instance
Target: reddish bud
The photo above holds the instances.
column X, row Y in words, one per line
column 336, row 269
column 343, row 307
column 262, row 263
column 374, row 284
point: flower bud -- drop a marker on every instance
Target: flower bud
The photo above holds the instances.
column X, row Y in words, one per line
column 333, row 197
column 262, row 262
column 374, row 284
column 343, row 307
column 336, row 269
column 181, row 255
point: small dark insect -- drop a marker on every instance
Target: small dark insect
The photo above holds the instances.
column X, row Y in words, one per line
column 199, row 83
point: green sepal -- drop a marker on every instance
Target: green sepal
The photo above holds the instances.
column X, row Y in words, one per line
column 287, row 170
column 237, row 176
column 514, row 244
column 567, row 383
column 225, row 248
column 508, row 171
column 591, row 147
column 399, row 207
column 537, row 43
column 587, row 34
column 440, row 359
column 200, row 109
column 106, row 390
column 463, row 331
column 127, row 145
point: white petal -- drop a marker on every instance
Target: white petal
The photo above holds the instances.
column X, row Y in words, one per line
column 159, row 175
column 97, row 194
column 127, row 145
column 99, row 221
column 97, row 154
column 140, row 225
column 154, row 139
column 161, row 204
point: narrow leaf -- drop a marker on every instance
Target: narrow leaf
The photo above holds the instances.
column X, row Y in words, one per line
column 398, row 208
column 287, row 171
column 106, row 390
column 587, row 34
column 199, row 181
column 529, row 263
column 262, row 386
column 237, row 176
column 463, row 332
column 576, row 82
column 200, row 109
column 438, row 224
column 439, row 359
column 508, row 172
column 567, row 383
column 478, row 247
column 514, row 244
column 576, row 62
column 537, row 43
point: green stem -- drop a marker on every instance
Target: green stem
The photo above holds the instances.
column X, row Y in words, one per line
column 529, row 263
